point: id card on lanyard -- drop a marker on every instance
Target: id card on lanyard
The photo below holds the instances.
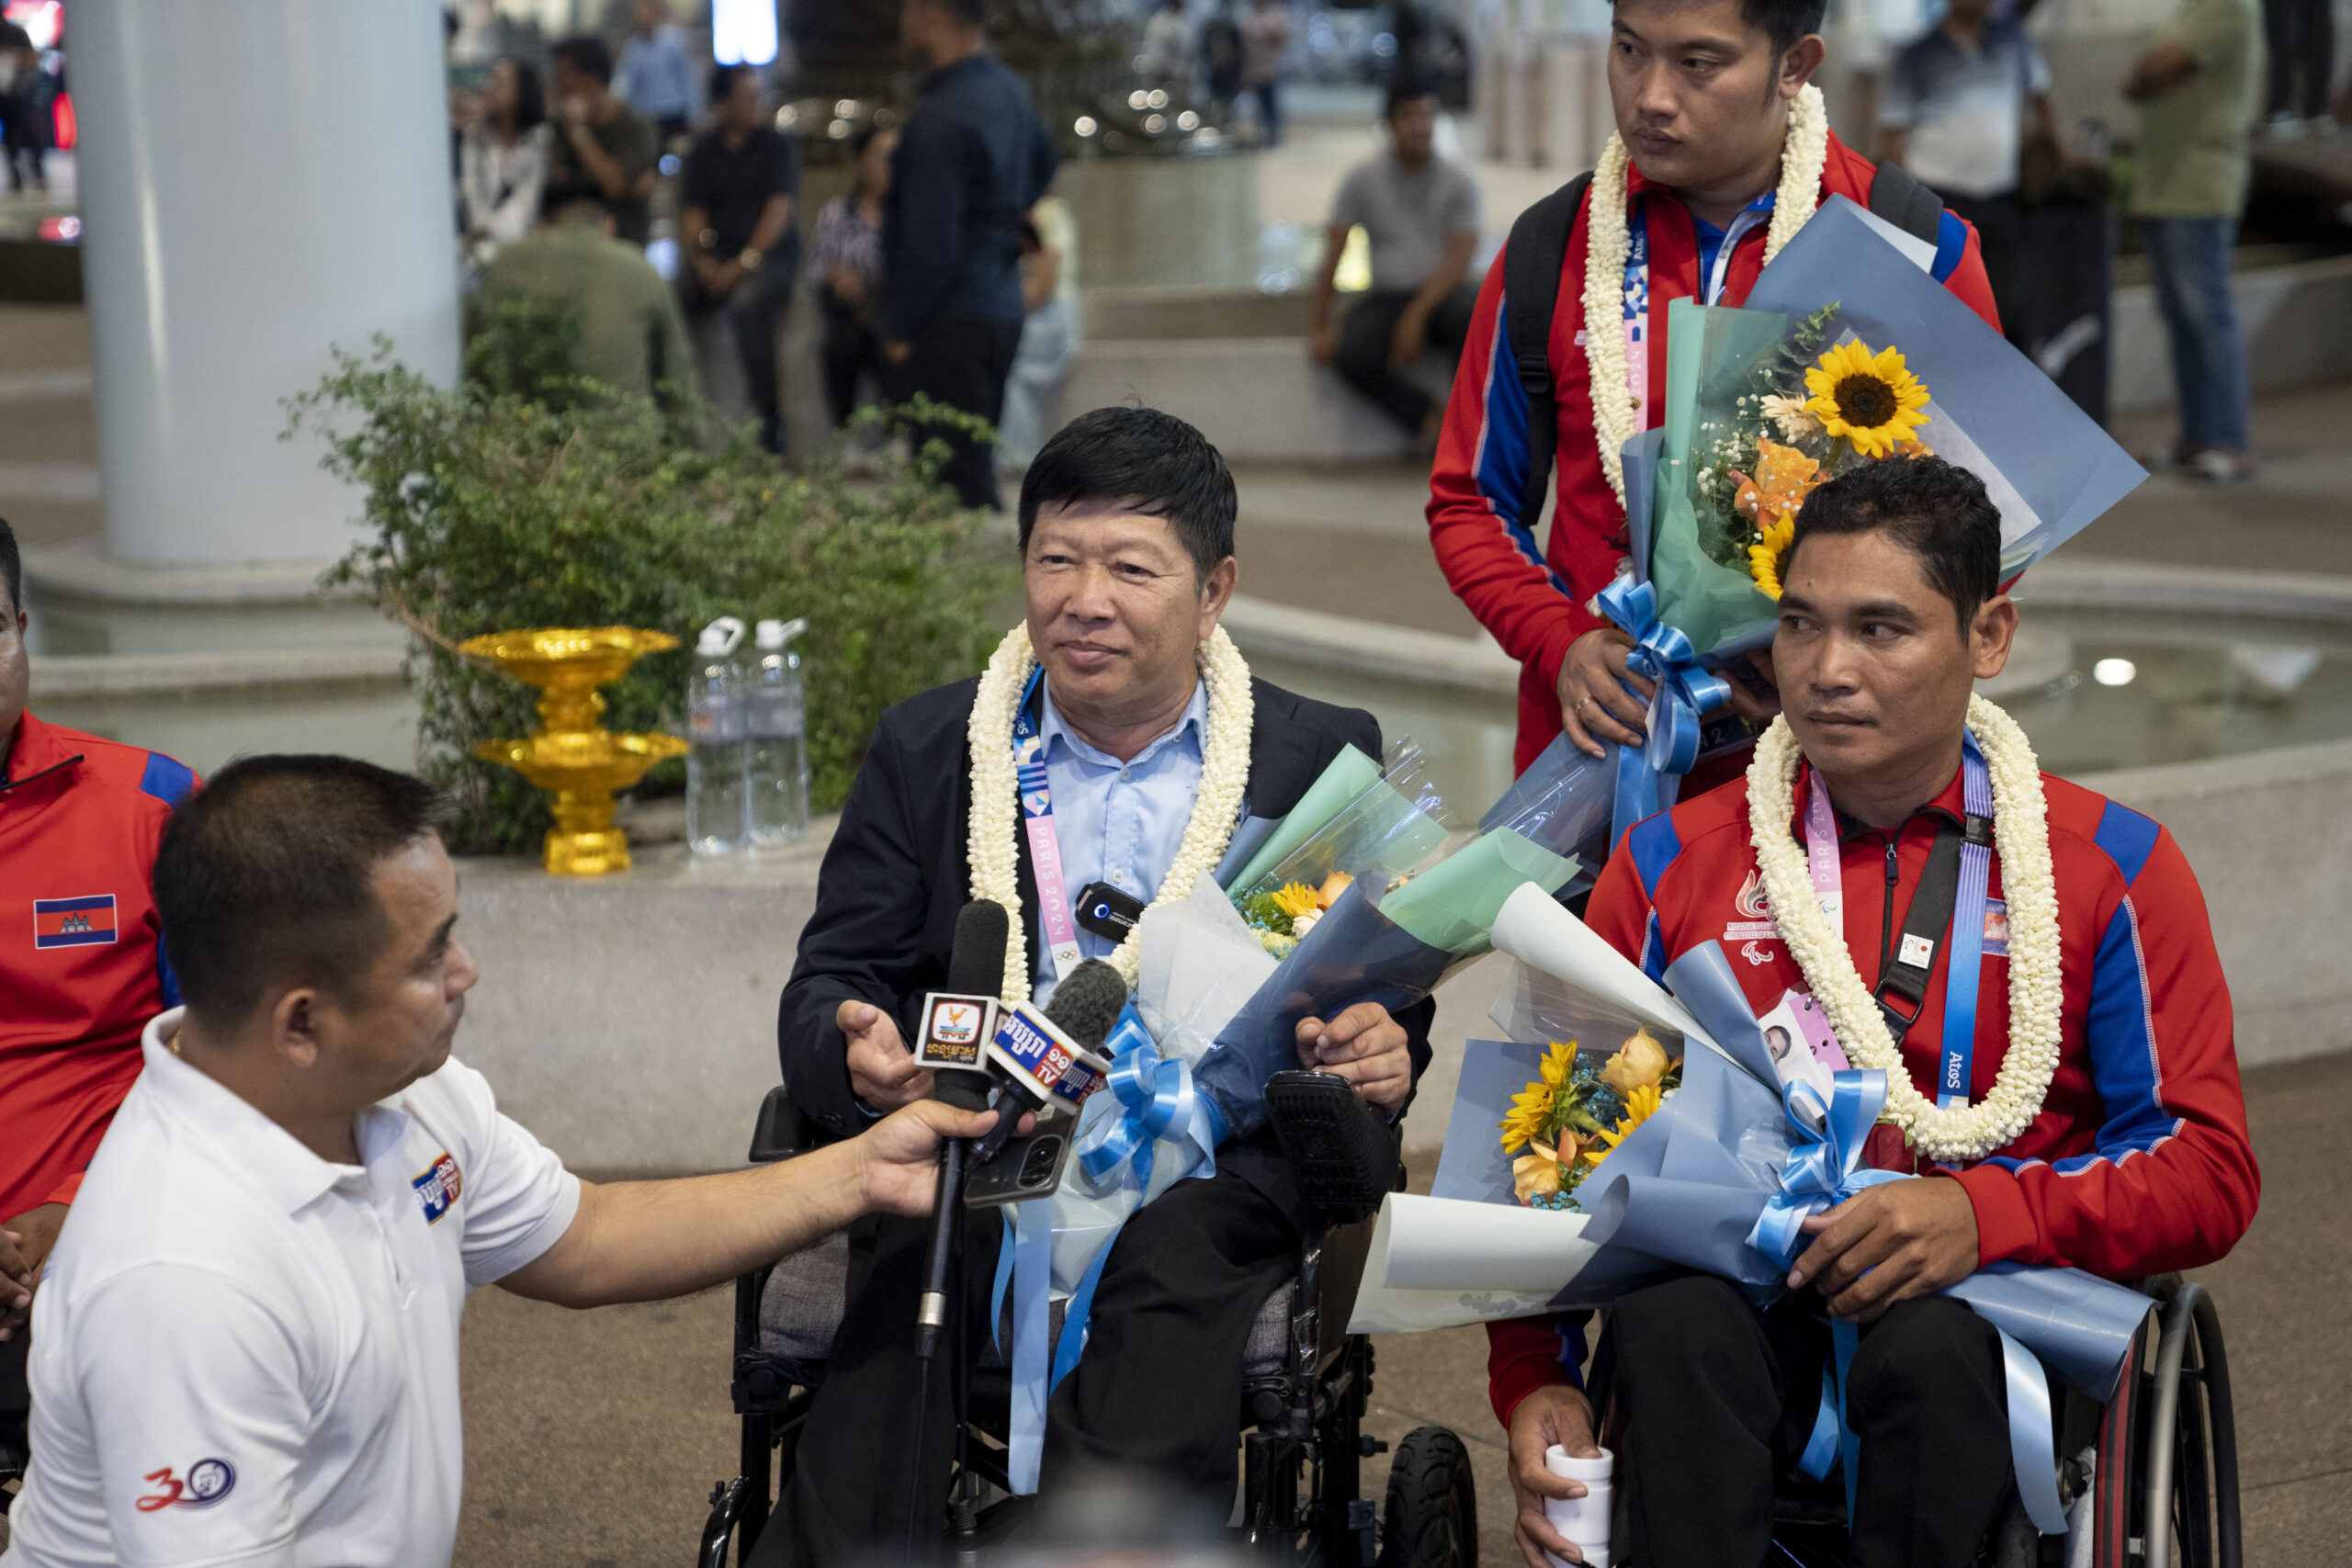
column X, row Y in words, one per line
column 1956, row 1065
column 1037, row 817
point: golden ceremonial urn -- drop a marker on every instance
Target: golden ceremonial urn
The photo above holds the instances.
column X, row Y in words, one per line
column 575, row 755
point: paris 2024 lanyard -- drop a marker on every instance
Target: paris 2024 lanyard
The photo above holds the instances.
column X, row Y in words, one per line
column 1954, row 887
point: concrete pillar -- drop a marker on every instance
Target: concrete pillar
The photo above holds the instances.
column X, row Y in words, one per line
column 261, row 180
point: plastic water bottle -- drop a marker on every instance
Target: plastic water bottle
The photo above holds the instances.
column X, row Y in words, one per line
column 717, row 819
column 779, row 731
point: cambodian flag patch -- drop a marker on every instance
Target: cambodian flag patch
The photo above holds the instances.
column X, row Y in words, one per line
column 437, row 1188
column 74, row 922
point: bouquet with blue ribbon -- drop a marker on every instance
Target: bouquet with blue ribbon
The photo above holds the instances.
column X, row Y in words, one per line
column 1846, row 350
column 1719, row 1179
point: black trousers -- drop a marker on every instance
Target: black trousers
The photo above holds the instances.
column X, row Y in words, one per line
column 847, row 350
column 1363, row 359
column 2301, row 38
column 961, row 361
column 1158, row 1391
column 1720, row 1400
column 754, row 311
column 16, row 1397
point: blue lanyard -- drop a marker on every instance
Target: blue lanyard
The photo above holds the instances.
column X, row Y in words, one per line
column 1968, row 935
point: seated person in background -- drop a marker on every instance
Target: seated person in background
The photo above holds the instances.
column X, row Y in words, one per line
column 1126, row 537
column 1954, row 116
column 246, row 1347
column 737, row 235
column 2133, row 1159
column 82, row 970
column 600, row 141
column 1420, row 212
column 631, row 335
column 847, row 256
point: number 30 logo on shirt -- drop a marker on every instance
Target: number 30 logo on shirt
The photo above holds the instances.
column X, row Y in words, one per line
column 209, row 1481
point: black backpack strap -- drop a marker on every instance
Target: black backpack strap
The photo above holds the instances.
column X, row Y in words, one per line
column 1533, row 257
column 1905, row 203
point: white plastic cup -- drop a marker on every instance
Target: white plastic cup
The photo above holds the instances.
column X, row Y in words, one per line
column 1584, row 1521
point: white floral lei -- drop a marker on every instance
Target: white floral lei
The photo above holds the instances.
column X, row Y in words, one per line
column 2022, row 834
column 1615, row 419
column 996, row 809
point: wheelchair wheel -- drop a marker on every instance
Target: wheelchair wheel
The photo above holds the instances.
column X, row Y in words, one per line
column 1431, row 1517
column 2167, row 1483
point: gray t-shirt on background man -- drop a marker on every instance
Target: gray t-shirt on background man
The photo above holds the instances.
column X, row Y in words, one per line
column 1409, row 216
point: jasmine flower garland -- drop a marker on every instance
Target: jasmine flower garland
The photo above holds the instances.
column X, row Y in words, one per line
column 2021, row 836
column 1616, row 418
column 996, row 809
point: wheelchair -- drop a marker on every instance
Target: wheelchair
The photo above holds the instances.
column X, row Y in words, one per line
column 2148, row 1480
column 1307, row 1383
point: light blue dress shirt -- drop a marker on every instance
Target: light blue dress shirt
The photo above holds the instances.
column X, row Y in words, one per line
column 1117, row 822
column 655, row 78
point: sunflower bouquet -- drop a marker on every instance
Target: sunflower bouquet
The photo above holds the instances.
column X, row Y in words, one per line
column 1807, row 414
column 1281, row 916
column 1571, row 1118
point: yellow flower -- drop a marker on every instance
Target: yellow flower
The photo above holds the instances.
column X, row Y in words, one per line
column 1639, row 1105
column 1764, row 555
column 1296, row 899
column 1639, row 1064
column 1870, row 399
column 1530, row 1110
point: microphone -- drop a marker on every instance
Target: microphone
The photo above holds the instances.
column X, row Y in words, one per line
column 1051, row 1058
column 956, row 1024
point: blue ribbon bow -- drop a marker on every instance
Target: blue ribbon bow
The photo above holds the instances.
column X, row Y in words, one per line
column 1685, row 691
column 1822, row 1169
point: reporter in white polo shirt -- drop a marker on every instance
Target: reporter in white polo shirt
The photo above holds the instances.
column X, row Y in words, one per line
column 245, row 1352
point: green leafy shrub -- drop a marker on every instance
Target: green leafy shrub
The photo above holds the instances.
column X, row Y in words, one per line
column 531, row 498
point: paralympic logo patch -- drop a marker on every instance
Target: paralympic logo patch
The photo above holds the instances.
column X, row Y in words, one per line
column 207, row 1480
column 438, row 1188
column 87, row 922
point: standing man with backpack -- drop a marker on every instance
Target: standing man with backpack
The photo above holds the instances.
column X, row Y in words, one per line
column 1722, row 151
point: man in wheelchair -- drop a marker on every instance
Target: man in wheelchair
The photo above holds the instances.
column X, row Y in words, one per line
column 2090, row 1117
column 1150, row 759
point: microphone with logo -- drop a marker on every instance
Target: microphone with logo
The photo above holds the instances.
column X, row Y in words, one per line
column 953, row 1043
column 1049, row 1062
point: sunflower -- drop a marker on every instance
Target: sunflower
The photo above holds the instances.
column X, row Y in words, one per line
column 1764, row 557
column 1639, row 1105
column 1870, row 399
column 1296, row 899
column 1530, row 1120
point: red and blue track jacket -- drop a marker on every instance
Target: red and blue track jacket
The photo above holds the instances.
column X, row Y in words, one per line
column 82, row 964
column 1534, row 599
column 2138, row 1161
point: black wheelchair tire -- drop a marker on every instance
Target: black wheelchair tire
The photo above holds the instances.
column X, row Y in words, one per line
column 1430, row 1518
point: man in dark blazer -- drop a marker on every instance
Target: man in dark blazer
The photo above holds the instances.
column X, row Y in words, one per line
column 1126, row 534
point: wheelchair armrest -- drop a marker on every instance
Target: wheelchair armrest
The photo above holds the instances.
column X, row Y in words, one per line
column 1342, row 1151
column 781, row 1131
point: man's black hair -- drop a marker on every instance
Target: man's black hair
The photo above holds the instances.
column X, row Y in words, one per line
column 587, row 56
column 1938, row 511
column 264, row 877
column 560, row 194
column 1163, row 465
column 12, row 567
column 1783, row 21
column 722, row 82
column 971, row 13
column 1403, row 89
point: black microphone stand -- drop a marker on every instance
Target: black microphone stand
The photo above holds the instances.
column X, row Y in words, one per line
column 941, row 1314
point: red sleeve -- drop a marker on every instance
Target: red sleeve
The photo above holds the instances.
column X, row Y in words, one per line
column 2171, row 1183
column 1478, row 484
column 1620, row 910
column 1524, row 1354
column 66, row 1190
column 1968, row 282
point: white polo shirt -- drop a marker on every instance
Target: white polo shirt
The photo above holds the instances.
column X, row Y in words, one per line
column 244, row 1354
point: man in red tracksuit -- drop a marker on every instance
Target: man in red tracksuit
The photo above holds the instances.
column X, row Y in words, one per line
column 2136, row 1162
column 1701, row 93
column 82, row 968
